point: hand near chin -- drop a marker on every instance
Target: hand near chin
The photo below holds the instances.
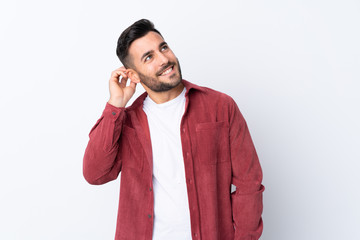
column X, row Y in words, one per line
column 120, row 94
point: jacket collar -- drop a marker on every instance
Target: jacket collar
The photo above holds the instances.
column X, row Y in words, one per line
column 188, row 85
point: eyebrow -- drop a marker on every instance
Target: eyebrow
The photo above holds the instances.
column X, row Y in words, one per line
column 148, row 52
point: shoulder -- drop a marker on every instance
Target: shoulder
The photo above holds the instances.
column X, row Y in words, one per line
column 214, row 104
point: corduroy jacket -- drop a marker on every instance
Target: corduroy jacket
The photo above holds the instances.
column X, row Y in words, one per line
column 217, row 150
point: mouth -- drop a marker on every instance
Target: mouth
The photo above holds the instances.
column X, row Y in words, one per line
column 167, row 71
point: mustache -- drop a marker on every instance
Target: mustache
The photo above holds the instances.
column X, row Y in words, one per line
column 165, row 67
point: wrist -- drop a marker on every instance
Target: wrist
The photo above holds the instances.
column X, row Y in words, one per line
column 116, row 103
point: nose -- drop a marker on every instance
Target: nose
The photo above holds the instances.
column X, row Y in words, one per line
column 163, row 60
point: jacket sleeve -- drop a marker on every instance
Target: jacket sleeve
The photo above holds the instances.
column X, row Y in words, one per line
column 100, row 163
column 246, row 201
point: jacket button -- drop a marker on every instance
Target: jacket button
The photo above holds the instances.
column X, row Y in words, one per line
column 113, row 113
column 149, row 215
column 150, row 189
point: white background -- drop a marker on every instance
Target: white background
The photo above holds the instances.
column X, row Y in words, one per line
column 292, row 67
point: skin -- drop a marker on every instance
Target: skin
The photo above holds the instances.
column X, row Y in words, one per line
column 150, row 57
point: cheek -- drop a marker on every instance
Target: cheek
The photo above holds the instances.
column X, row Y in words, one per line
column 172, row 55
column 149, row 70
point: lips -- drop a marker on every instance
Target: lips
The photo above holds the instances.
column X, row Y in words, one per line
column 166, row 70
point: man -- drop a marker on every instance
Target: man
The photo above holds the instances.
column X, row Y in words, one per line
column 179, row 148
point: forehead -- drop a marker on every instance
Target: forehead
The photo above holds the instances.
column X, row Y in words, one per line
column 149, row 42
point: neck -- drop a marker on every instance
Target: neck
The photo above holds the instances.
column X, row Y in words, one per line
column 162, row 97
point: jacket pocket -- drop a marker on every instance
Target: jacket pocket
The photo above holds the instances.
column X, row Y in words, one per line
column 213, row 142
column 132, row 152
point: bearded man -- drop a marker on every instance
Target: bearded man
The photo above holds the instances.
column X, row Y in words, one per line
column 179, row 147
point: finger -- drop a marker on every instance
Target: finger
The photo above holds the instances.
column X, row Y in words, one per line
column 115, row 75
column 119, row 72
column 123, row 82
column 132, row 85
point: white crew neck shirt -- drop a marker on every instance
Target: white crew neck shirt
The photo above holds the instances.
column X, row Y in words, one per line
column 171, row 206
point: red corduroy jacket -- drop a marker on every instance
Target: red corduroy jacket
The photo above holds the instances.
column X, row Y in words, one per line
column 217, row 149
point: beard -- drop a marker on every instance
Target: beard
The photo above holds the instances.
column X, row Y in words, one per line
column 157, row 86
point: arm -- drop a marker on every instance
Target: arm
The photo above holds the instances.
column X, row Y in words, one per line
column 101, row 161
column 247, row 177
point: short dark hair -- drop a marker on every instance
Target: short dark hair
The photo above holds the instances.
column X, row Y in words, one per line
column 137, row 30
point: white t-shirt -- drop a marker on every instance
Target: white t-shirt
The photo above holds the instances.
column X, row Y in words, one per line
column 171, row 206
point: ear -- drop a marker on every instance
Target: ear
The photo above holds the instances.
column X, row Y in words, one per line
column 133, row 75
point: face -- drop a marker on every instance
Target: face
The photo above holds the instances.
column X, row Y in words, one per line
column 155, row 64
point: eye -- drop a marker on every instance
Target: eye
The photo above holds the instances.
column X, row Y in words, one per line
column 148, row 58
column 163, row 48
